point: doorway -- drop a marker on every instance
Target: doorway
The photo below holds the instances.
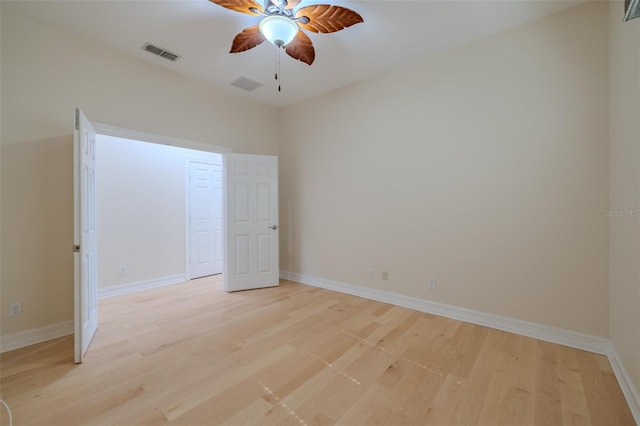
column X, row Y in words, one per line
column 153, row 201
column 249, row 196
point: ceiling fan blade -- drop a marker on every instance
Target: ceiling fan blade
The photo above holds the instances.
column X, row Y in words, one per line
column 324, row 18
column 247, row 39
column 301, row 48
column 249, row 7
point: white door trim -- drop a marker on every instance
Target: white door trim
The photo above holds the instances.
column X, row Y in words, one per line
column 187, row 207
column 120, row 132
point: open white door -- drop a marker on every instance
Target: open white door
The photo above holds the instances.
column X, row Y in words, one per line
column 84, row 235
column 205, row 219
column 251, row 222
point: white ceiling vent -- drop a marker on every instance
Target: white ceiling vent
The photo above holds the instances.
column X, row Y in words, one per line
column 160, row 52
column 246, row 84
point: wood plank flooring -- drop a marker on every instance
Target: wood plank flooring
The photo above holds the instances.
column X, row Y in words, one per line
column 191, row 354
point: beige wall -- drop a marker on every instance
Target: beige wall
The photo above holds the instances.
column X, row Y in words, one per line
column 624, row 197
column 140, row 192
column 486, row 168
column 45, row 73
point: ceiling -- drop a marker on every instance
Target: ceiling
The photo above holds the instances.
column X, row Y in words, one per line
column 394, row 34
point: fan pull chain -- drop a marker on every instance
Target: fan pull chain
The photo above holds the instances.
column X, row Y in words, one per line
column 279, row 71
column 275, row 61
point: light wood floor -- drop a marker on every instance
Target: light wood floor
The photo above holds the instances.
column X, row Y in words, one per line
column 191, row 354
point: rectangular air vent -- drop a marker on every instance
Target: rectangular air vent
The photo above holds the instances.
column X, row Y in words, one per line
column 246, row 84
column 159, row 51
column 170, row 56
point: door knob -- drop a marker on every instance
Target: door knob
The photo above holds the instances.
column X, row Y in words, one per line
column 274, row 227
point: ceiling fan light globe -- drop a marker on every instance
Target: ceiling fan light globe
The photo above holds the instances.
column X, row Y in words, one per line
column 278, row 30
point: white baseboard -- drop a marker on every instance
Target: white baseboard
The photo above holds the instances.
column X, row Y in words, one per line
column 41, row 334
column 21, row 339
column 547, row 333
column 565, row 337
column 626, row 384
column 126, row 288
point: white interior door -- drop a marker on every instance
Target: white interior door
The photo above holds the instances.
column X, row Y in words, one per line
column 251, row 222
column 85, row 260
column 205, row 219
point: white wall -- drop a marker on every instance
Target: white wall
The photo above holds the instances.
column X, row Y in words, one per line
column 140, row 195
column 486, row 168
column 624, row 197
column 45, row 73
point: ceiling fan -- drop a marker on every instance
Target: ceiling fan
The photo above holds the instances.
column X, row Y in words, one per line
column 282, row 25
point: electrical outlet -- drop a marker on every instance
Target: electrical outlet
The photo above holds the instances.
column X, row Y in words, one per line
column 432, row 283
column 15, row 309
column 385, row 276
column 371, row 273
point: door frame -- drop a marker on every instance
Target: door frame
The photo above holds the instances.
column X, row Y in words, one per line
column 120, row 132
column 187, row 207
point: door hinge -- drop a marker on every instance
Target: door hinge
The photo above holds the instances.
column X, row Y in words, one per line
column 76, row 248
column 77, row 119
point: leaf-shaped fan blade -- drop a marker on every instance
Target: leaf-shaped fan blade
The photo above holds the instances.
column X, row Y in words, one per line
column 301, row 48
column 242, row 6
column 324, row 18
column 247, row 39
